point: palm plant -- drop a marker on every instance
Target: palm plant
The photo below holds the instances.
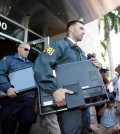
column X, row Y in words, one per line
column 106, row 47
column 110, row 22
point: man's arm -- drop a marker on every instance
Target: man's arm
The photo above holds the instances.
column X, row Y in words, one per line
column 5, row 84
column 102, row 110
column 4, row 70
column 117, row 110
column 44, row 66
column 46, row 63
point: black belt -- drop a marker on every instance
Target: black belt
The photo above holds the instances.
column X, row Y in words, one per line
column 23, row 100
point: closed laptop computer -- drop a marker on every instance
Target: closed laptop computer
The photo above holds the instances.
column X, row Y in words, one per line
column 84, row 79
column 21, row 80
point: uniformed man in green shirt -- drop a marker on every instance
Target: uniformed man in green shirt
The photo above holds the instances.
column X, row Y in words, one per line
column 61, row 52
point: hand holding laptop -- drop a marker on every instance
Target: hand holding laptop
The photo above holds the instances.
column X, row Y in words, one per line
column 12, row 92
column 96, row 63
column 59, row 96
column 94, row 59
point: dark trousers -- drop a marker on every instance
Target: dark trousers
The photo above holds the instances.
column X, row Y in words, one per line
column 17, row 117
column 72, row 121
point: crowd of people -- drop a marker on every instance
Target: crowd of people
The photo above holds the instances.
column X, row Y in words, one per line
column 105, row 118
column 20, row 114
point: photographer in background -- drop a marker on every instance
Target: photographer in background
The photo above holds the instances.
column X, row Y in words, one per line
column 116, row 84
column 108, row 119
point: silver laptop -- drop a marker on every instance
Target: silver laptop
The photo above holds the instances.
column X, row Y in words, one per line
column 22, row 79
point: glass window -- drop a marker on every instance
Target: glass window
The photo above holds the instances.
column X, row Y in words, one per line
column 11, row 29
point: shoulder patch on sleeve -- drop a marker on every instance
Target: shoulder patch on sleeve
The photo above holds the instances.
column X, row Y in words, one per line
column 4, row 58
column 49, row 50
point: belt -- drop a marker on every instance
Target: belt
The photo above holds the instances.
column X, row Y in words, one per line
column 21, row 100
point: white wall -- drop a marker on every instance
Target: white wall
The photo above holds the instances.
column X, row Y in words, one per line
column 91, row 40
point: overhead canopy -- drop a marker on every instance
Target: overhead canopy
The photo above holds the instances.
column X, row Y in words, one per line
column 49, row 17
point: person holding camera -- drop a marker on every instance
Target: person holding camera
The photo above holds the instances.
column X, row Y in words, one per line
column 116, row 85
column 108, row 119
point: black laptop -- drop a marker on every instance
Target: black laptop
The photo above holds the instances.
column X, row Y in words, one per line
column 84, row 79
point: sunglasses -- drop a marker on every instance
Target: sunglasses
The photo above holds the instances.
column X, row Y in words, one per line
column 25, row 49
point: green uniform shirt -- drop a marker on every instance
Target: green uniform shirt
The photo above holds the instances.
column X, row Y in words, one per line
column 59, row 52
